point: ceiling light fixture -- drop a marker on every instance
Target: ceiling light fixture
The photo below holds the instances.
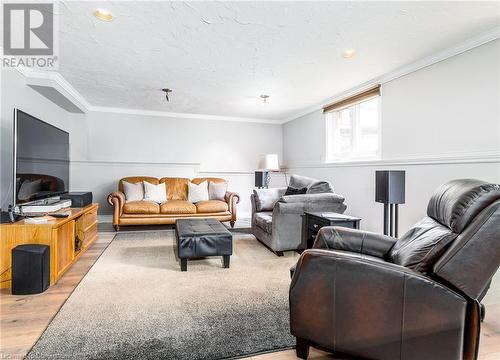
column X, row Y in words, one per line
column 167, row 91
column 264, row 98
column 103, row 15
column 349, row 53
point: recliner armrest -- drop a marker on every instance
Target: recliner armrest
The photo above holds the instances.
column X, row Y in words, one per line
column 353, row 240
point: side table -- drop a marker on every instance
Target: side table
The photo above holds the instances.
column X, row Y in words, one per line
column 313, row 221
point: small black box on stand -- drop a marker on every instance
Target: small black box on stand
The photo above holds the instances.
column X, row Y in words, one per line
column 261, row 179
column 78, row 199
column 30, row 269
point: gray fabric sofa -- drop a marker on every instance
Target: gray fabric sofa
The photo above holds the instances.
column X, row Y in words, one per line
column 276, row 217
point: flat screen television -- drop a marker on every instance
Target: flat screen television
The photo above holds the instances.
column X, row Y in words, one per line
column 41, row 159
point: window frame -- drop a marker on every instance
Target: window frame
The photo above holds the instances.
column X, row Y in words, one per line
column 329, row 122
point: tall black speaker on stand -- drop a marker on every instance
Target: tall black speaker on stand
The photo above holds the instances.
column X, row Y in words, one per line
column 390, row 190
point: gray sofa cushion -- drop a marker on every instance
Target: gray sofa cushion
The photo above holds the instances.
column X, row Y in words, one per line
column 313, row 198
column 264, row 220
column 266, row 198
column 313, row 186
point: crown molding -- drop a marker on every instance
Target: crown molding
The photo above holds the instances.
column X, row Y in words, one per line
column 450, row 52
column 180, row 115
column 56, row 81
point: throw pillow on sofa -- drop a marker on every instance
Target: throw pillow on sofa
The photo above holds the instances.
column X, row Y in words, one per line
column 197, row 193
column 295, row 191
column 266, row 198
column 155, row 193
column 217, row 190
column 313, row 186
column 133, row 191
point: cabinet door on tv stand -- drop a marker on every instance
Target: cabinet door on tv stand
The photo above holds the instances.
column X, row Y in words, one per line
column 64, row 237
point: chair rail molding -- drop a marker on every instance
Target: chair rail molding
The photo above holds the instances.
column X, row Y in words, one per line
column 196, row 166
column 479, row 157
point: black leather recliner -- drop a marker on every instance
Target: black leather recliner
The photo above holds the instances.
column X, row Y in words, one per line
column 365, row 295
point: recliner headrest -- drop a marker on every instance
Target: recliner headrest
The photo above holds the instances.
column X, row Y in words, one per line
column 457, row 202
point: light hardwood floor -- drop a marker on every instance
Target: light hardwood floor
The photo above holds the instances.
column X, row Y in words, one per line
column 24, row 318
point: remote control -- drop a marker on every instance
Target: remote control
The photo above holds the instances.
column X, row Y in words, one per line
column 63, row 215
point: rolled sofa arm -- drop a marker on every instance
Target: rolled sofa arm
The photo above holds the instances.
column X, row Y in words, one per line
column 353, row 240
column 232, row 199
column 117, row 200
column 364, row 307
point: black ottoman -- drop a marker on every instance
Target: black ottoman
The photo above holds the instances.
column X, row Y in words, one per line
column 203, row 237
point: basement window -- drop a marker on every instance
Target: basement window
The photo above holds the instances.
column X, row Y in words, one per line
column 353, row 128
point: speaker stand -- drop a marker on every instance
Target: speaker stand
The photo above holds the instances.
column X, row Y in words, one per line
column 391, row 215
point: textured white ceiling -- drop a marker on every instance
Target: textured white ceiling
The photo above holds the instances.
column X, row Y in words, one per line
column 218, row 57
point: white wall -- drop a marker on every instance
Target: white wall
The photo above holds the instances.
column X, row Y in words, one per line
column 15, row 93
column 114, row 145
column 438, row 123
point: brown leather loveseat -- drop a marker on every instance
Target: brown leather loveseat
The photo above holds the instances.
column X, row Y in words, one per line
column 177, row 206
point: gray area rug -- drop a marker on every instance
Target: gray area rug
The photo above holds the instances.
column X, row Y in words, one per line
column 136, row 304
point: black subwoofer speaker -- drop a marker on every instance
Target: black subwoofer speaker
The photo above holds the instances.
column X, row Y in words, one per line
column 78, row 199
column 30, row 269
column 390, row 186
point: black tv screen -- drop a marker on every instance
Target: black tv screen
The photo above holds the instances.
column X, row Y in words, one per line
column 41, row 150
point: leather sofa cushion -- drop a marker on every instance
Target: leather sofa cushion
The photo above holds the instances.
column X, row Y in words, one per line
column 211, row 206
column 177, row 207
column 264, row 220
column 141, row 207
column 198, row 181
column 177, row 188
column 422, row 245
column 457, row 202
column 136, row 179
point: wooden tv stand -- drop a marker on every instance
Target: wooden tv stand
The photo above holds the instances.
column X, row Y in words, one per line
column 59, row 234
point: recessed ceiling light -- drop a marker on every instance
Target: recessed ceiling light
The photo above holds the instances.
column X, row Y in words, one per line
column 264, row 98
column 349, row 53
column 103, row 15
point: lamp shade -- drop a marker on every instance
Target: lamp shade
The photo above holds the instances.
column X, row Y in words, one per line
column 269, row 162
